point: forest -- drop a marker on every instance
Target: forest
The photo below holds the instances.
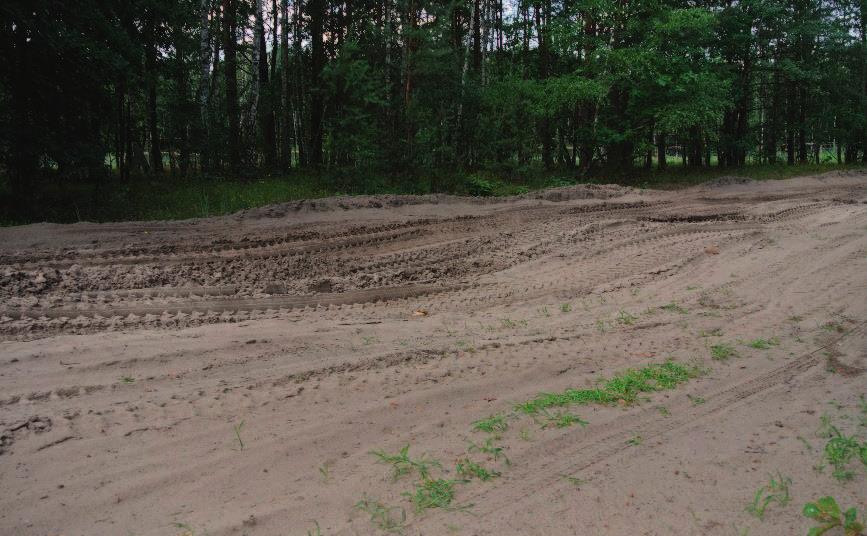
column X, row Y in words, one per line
column 114, row 92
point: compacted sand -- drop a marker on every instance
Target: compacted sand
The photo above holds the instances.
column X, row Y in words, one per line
column 232, row 375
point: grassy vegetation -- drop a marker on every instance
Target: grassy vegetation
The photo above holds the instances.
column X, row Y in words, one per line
column 624, row 387
column 437, row 493
column 775, row 491
column 387, row 518
column 175, row 198
column 722, row 351
column 402, row 464
column 828, row 514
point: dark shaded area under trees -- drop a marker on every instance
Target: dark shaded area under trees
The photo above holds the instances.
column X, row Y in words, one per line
column 104, row 92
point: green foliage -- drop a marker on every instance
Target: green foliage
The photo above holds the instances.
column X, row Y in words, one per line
column 840, row 450
column 763, row 344
column 624, row 387
column 390, row 519
column 722, row 351
column 402, row 464
column 470, row 469
column 493, row 424
column 437, row 493
column 479, row 186
column 776, row 491
column 827, row 513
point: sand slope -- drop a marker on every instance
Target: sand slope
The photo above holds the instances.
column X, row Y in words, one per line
column 132, row 352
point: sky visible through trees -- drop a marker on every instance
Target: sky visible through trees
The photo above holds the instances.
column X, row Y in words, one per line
column 127, row 88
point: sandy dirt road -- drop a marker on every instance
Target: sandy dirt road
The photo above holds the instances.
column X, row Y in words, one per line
column 231, row 376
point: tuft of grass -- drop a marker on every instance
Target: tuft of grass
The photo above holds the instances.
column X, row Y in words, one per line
column 763, row 344
column 624, row 387
column 387, row 518
column 776, row 490
column 127, row 379
column 674, row 308
column 437, row 493
column 488, row 447
column 237, row 429
column 722, row 352
column 402, row 464
column 565, row 307
column 315, row 531
column 696, row 400
column 841, row 450
column 635, row 441
column 562, row 420
column 325, row 472
column 493, row 424
column 470, row 469
column 625, row 318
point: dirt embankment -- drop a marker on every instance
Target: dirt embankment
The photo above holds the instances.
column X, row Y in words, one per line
column 232, row 375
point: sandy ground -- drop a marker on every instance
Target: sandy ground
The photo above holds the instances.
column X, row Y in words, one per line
column 132, row 353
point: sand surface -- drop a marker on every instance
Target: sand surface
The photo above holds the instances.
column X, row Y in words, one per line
column 231, row 376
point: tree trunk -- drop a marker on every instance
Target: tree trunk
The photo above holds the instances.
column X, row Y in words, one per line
column 156, row 155
column 661, row 163
column 231, row 76
column 204, row 83
column 317, row 18
column 286, row 117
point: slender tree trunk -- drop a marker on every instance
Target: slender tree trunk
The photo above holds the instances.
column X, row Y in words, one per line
column 231, row 76
column 156, row 155
column 286, row 117
column 542, row 13
column 204, row 83
column 317, row 53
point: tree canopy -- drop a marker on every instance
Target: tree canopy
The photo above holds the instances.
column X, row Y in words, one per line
column 92, row 89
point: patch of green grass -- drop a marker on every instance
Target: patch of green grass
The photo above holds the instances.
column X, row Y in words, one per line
column 674, row 308
column 776, row 491
column 508, row 323
column 635, row 441
column 315, row 531
column 625, row 318
column 562, row 420
column 565, row 307
column 722, row 352
column 488, row 447
column 470, row 469
column 840, row 450
column 664, row 411
column 696, row 400
column 127, row 379
column 387, row 518
column 763, row 344
column 402, row 464
column 624, row 387
column 493, row 425
column 437, row 493
column 828, row 514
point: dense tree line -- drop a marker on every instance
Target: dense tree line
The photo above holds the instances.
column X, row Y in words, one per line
column 132, row 87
